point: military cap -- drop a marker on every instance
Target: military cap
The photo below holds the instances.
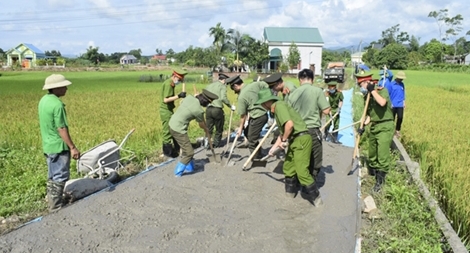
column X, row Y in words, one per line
column 265, row 95
column 222, row 76
column 234, row 80
column 179, row 73
column 273, row 79
column 332, row 83
column 363, row 76
column 209, row 95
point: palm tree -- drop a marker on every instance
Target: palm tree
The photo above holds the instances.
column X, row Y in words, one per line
column 218, row 32
column 238, row 43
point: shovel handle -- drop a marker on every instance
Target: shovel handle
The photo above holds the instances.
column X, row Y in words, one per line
column 228, row 132
column 231, row 149
column 328, row 122
column 358, row 137
column 259, row 145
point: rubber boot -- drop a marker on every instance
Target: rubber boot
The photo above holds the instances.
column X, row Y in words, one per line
column 379, row 181
column 167, row 149
column 325, row 135
column 371, row 171
column 54, row 195
column 179, row 170
column 315, row 173
column 335, row 138
column 312, row 194
column 175, row 149
column 189, row 168
column 292, row 186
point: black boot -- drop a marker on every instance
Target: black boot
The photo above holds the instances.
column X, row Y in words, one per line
column 314, row 172
column 167, row 149
column 292, row 186
column 335, row 138
column 379, row 181
column 371, row 171
column 325, row 135
column 312, row 194
column 55, row 190
column 175, row 149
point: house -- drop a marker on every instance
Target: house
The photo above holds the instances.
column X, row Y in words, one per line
column 356, row 58
column 159, row 58
column 24, row 54
column 467, row 59
column 307, row 39
column 128, row 59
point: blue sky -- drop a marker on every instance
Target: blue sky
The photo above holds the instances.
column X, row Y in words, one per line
column 119, row 26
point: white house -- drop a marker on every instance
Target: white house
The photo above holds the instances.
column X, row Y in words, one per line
column 128, row 59
column 307, row 39
column 356, row 58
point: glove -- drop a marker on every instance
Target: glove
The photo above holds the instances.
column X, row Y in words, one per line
column 182, row 94
column 360, row 131
column 233, row 108
column 370, row 87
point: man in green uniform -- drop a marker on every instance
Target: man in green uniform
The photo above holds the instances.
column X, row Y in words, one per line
column 293, row 132
column 247, row 97
column 309, row 101
column 189, row 109
column 167, row 105
column 380, row 118
column 215, row 117
column 57, row 144
column 335, row 97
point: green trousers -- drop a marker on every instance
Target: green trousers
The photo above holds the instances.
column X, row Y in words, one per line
column 298, row 159
column 185, row 144
column 316, row 155
column 215, row 119
column 380, row 139
column 335, row 121
column 165, row 116
column 253, row 131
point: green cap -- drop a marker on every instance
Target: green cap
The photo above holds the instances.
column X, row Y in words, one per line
column 265, row 95
column 234, row 80
column 332, row 83
column 209, row 95
column 273, row 79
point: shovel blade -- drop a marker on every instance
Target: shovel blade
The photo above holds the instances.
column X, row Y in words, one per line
column 352, row 167
column 259, row 163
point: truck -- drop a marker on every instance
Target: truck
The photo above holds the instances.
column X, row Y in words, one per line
column 334, row 72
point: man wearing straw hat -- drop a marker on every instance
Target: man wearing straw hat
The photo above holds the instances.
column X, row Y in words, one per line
column 167, row 106
column 396, row 89
column 380, row 118
column 215, row 117
column 57, row 144
column 309, row 101
column 293, row 132
column 189, row 109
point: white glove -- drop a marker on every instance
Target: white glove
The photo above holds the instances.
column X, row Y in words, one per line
column 233, row 108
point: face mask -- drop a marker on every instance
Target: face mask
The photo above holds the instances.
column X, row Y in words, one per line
column 176, row 82
column 364, row 91
column 332, row 91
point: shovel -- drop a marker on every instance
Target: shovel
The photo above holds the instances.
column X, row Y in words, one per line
column 353, row 165
column 212, row 158
column 259, row 163
column 231, row 149
column 228, row 135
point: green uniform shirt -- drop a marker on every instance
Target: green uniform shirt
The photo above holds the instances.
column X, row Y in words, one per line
column 189, row 109
column 248, row 97
column 220, row 90
column 168, row 91
column 289, row 87
column 309, row 101
column 52, row 116
column 380, row 113
column 283, row 113
column 334, row 99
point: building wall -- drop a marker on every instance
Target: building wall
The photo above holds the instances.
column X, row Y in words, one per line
column 306, row 58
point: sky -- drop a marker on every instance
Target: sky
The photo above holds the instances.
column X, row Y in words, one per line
column 71, row 26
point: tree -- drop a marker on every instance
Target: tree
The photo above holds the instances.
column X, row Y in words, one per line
column 258, row 53
column 238, row 44
column 395, row 56
column 53, row 53
column 455, row 27
column 170, row 53
column 218, row 32
column 93, row 55
column 159, row 51
column 393, row 35
column 293, row 56
column 136, row 52
column 414, row 44
column 369, row 57
column 433, row 51
column 440, row 17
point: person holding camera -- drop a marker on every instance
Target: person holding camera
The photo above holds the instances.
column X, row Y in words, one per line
column 380, row 118
column 167, row 106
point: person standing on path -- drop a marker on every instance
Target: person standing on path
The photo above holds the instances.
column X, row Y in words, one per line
column 380, row 117
column 335, row 97
column 57, row 144
column 277, row 85
column 167, row 106
column 396, row 90
column 247, row 97
column 189, row 109
column 293, row 133
column 309, row 101
column 215, row 117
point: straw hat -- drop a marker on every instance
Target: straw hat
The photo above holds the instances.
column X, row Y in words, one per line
column 55, row 81
column 401, row 75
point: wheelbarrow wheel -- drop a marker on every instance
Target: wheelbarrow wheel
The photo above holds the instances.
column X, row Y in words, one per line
column 109, row 175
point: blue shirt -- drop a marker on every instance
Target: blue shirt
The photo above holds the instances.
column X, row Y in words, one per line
column 397, row 93
column 385, row 81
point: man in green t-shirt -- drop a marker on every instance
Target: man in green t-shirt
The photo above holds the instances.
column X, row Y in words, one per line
column 293, row 133
column 335, row 97
column 167, row 106
column 309, row 101
column 215, row 117
column 277, row 85
column 380, row 117
column 189, row 109
column 57, row 144
column 247, row 97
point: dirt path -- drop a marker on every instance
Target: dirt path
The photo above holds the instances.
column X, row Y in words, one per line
column 217, row 209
